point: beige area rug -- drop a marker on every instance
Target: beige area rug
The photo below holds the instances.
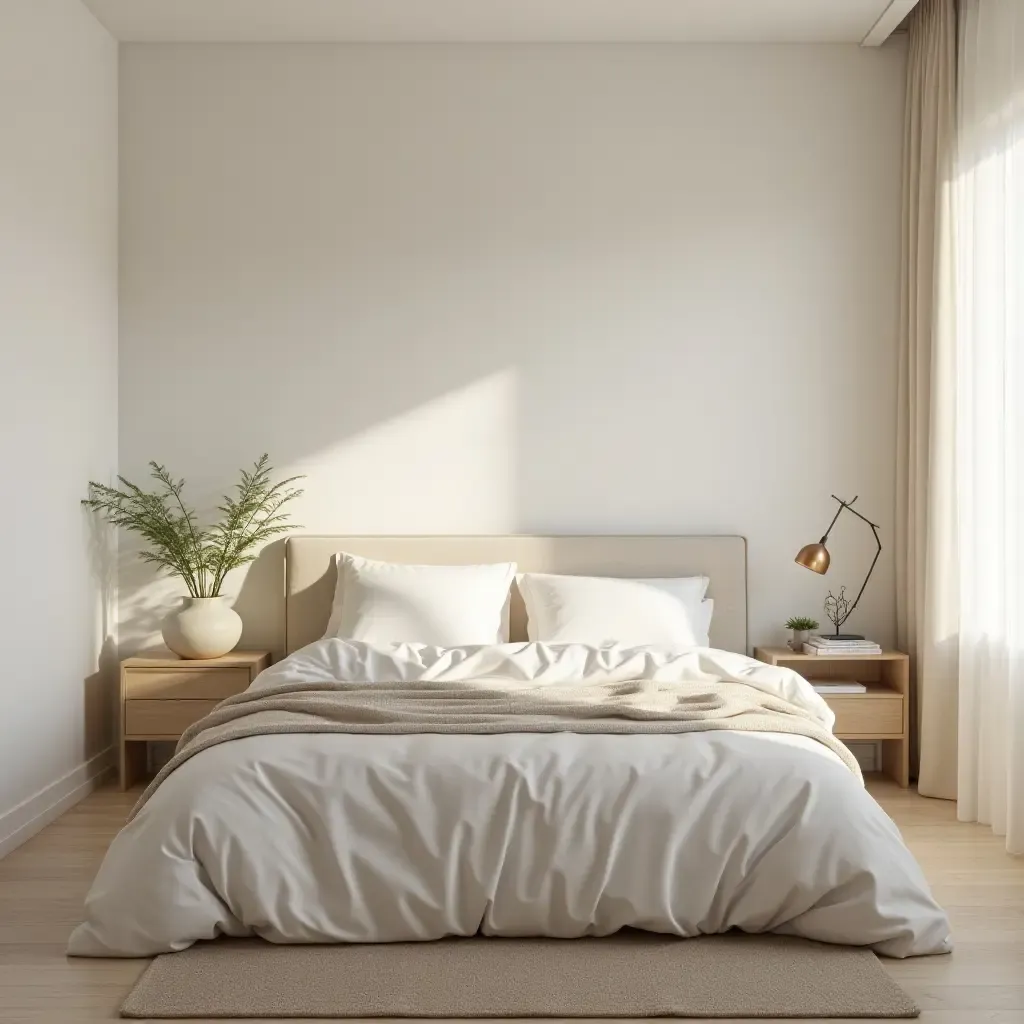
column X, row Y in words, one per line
column 629, row 975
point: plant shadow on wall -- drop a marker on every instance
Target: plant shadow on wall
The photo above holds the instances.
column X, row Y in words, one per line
column 99, row 688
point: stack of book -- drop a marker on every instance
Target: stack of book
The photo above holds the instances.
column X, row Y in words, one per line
column 828, row 647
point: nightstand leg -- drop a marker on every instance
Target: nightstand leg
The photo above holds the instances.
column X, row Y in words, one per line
column 896, row 761
column 133, row 762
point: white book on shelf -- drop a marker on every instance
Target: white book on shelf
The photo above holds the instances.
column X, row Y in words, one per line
column 839, row 687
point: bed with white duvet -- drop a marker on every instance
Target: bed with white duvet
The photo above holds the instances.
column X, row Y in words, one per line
column 580, row 790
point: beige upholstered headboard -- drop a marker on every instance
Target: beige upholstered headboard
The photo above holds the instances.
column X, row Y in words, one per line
column 310, row 572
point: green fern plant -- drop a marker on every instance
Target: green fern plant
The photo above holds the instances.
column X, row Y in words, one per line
column 177, row 544
column 801, row 622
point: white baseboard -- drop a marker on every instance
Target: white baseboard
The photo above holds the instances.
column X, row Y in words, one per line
column 23, row 821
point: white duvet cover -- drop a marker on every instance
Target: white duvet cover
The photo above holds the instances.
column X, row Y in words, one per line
column 326, row 837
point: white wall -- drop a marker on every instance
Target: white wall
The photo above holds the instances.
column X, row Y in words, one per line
column 475, row 289
column 58, row 412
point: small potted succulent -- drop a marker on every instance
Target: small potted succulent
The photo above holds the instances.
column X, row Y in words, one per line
column 801, row 626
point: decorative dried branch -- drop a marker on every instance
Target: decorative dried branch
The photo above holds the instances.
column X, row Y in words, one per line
column 838, row 607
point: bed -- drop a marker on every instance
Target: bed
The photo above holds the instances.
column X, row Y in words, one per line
column 356, row 794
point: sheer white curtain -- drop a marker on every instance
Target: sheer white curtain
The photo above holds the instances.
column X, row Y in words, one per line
column 988, row 235
column 927, row 585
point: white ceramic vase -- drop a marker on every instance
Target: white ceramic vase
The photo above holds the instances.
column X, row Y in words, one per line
column 203, row 627
column 799, row 639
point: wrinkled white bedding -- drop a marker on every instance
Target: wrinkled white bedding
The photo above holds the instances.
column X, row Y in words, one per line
column 323, row 837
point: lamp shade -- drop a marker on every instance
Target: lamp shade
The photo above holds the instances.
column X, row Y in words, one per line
column 814, row 557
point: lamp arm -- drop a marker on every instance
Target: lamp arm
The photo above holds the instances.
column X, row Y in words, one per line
column 839, row 512
column 849, row 506
column 871, row 568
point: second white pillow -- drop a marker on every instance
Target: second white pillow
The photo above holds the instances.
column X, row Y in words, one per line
column 599, row 610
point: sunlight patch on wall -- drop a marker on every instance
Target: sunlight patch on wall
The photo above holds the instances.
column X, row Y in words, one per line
column 447, row 466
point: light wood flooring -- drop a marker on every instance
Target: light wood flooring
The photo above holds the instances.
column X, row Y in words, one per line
column 42, row 885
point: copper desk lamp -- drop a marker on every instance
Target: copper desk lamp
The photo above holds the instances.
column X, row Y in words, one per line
column 816, row 558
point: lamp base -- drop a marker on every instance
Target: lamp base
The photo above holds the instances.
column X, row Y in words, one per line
column 845, row 636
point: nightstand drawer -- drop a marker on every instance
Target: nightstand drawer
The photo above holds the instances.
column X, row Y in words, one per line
column 162, row 695
column 163, row 717
column 867, row 716
column 184, row 683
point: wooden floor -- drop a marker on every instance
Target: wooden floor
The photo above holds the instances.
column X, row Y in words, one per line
column 42, row 885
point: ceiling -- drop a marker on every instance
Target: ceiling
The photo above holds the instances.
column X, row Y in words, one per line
column 740, row 21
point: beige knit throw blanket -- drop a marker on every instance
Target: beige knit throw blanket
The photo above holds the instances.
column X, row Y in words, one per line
column 494, row 706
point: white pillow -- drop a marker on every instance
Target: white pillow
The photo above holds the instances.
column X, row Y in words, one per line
column 441, row 605
column 600, row 611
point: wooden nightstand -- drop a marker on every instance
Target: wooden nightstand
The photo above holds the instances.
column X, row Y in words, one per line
column 883, row 713
column 162, row 694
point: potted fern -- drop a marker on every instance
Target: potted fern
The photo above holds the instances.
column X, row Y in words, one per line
column 801, row 626
column 205, row 626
